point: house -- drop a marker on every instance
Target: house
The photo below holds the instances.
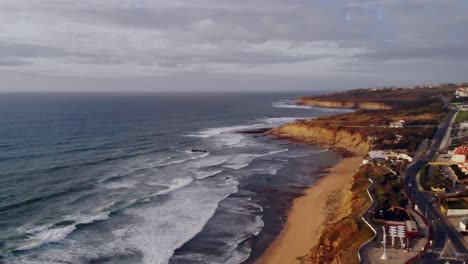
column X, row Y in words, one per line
column 464, row 125
column 464, row 224
column 455, row 206
column 463, row 107
column 397, row 124
column 457, row 158
column 398, row 138
column 463, row 167
column 378, row 154
column 461, row 150
column 462, row 92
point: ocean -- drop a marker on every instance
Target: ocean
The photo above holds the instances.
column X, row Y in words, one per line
column 148, row 178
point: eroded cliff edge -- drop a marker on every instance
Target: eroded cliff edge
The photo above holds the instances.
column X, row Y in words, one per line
column 314, row 133
column 343, row 104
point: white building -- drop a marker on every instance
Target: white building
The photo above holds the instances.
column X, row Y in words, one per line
column 464, row 125
column 397, row 124
column 462, row 92
column 464, row 224
column 458, row 158
column 378, row 154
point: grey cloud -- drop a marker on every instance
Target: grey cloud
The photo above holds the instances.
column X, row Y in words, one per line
column 453, row 52
column 12, row 49
column 14, row 54
column 170, row 36
column 13, row 62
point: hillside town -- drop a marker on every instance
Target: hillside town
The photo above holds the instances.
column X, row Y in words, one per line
column 406, row 212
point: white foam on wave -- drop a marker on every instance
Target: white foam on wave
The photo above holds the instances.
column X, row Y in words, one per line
column 243, row 160
column 290, row 104
column 206, row 174
column 239, row 161
column 46, row 236
column 229, row 139
column 210, row 132
column 40, row 236
column 268, row 170
column 179, row 161
column 174, row 185
column 275, row 152
column 239, row 219
column 30, row 228
column 210, row 161
column 121, row 185
column 294, row 105
column 277, row 121
column 168, row 226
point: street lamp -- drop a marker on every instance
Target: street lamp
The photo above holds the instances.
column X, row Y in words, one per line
column 384, row 256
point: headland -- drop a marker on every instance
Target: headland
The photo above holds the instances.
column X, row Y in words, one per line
column 325, row 224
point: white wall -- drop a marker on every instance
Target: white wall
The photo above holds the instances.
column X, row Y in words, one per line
column 457, row 212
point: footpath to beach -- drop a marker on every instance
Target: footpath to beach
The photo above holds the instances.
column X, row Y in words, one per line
column 309, row 213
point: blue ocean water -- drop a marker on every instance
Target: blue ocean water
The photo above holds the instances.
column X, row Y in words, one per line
column 113, row 178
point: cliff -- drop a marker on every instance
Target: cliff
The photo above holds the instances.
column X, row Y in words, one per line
column 343, row 104
column 345, row 232
column 421, row 109
column 350, row 141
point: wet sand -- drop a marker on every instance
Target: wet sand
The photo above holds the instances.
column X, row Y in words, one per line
column 308, row 214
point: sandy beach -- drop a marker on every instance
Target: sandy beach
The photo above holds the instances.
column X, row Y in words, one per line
column 308, row 214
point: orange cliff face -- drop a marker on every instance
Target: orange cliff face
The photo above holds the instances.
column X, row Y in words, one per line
column 353, row 142
column 367, row 105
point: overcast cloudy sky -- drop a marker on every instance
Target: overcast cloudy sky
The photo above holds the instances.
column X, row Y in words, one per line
column 230, row 44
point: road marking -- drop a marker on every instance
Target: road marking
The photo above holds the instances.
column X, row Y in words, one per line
column 435, row 251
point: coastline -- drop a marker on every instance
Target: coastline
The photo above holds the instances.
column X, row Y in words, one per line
column 309, row 214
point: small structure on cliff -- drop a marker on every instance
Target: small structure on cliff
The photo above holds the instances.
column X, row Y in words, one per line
column 397, row 124
column 378, row 154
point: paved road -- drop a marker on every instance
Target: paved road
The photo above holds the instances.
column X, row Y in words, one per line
column 442, row 230
column 446, row 241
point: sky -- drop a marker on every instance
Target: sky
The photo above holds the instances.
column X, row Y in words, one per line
column 221, row 45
